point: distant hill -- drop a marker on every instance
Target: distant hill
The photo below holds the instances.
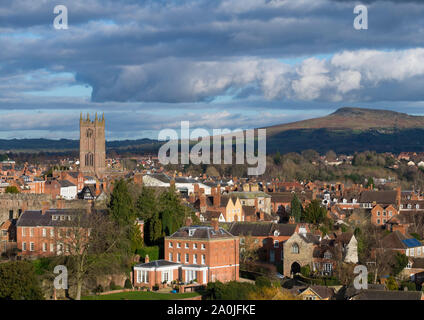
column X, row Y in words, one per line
column 348, row 130
column 48, row 145
column 345, row 131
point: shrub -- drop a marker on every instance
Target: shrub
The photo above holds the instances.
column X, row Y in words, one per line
column 305, row 270
column 262, row 282
column 98, row 289
column 391, row 284
column 128, row 284
column 113, row 286
column 408, row 284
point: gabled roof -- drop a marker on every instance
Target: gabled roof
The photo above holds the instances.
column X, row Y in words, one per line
column 321, row 291
column 256, row 229
column 396, row 240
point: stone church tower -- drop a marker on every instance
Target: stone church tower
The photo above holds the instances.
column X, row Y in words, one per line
column 92, row 146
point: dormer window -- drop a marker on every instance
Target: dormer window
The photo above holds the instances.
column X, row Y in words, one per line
column 54, row 217
column 191, row 232
column 276, row 233
column 62, row 218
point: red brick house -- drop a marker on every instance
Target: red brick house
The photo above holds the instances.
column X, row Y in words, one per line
column 42, row 233
column 380, row 214
column 197, row 254
column 268, row 236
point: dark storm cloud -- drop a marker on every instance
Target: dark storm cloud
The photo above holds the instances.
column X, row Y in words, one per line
column 185, row 54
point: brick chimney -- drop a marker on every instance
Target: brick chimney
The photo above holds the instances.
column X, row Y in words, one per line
column 217, row 197
column 196, row 189
column 261, row 215
column 202, row 199
column 188, row 222
column 192, row 198
column 45, row 207
column 146, row 259
column 256, row 204
column 215, row 224
column 292, row 220
column 398, row 197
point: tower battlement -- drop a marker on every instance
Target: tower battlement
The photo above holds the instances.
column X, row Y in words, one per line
column 97, row 120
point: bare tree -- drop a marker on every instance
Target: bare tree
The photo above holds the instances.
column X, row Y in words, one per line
column 90, row 244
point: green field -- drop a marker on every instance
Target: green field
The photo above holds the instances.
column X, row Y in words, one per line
column 142, row 295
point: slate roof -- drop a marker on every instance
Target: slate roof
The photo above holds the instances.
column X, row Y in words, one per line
column 157, row 264
column 418, row 263
column 201, row 232
column 256, row 229
column 388, row 295
column 34, row 218
column 65, row 183
column 380, row 197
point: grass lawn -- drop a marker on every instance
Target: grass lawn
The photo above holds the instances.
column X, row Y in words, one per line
column 142, row 295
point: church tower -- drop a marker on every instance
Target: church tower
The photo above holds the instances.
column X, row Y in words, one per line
column 92, row 146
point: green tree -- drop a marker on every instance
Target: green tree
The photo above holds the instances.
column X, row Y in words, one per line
column 370, row 182
column 12, row 189
column 296, row 208
column 18, row 281
column 391, row 284
column 172, row 212
column 400, row 262
column 123, row 212
column 315, row 213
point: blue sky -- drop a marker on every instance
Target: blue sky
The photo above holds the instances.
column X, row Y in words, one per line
column 219, row 64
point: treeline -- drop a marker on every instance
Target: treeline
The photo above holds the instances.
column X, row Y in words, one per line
column 162, row 211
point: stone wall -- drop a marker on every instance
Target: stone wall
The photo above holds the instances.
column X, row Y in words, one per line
column 303, row 258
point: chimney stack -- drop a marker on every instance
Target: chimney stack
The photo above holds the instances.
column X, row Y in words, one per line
column 291, row 220
column 217, row 197
column 215, row 224
column 45, row 207
column 146, row 259
column 188, row 221
column 202, row 199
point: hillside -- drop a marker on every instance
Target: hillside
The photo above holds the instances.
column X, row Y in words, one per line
column 348, row 130
column 345, row 131
column 355, row 119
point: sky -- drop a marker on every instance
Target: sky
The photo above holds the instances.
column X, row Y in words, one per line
column 236, row 64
